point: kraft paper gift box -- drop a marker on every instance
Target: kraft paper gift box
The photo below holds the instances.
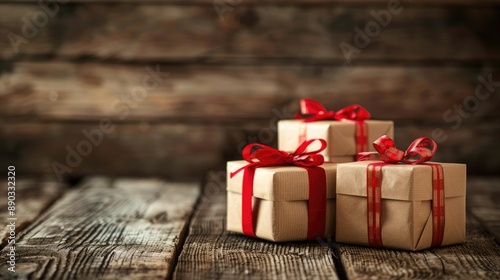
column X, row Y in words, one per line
column 280, row 201
column 406, row 213
column 340, row 136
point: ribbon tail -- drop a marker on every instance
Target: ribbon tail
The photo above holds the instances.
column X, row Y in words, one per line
column 368, row 156
column 438, row 205
column 246, row 203
column 361, row 137
column 374, row 203
column 316, row 221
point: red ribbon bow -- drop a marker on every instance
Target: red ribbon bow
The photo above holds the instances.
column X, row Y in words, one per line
column 259, row 155
column 419, row 151
column 318, row 112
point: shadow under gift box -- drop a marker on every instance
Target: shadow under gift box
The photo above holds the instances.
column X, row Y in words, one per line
column 280, row 201
column 339, row 135
column 406, row 205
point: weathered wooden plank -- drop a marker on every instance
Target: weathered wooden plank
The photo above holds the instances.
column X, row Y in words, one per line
column 126, row 229
column 210, row 252
column 483, row 200
column 90, row 91
column 249, row 33
column 32, row 197
column 473, row 143
column 175, row 151
column 187, row 151
column 34, row 40
column 479, row 257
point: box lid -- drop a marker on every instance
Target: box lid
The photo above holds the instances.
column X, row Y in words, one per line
column 280, row 183
column 401, row 181
column 340, row 135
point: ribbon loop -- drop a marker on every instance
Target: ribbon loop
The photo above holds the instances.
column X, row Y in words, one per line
column 316, row 112
column 259, row 155
column 353, row 112
column 420, row 150
column 312, row 107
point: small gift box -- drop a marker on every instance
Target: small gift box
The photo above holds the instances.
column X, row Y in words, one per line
column 401, row 201
column 281, row 196
column 347, row 131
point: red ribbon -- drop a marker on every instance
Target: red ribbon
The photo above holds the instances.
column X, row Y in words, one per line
column 374, row 203
column 318, row 112
column 259, row 155
column 419, row 151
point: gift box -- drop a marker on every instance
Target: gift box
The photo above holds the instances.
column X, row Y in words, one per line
column 340, row 136
column 347, row 131
column 280, row 202
column 401, row 205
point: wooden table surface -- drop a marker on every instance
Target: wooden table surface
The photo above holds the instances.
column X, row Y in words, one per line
column 120, row 228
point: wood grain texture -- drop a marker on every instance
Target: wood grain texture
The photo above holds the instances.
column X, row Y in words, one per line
column 33, row 196
column 250, row 33
column 483, row 200
column 126, row 229
column 473, row 143
column 88, row 91
column 35, row 41
column 212, row 253
column 175, row 151
column 187, row 151
column 478, row 258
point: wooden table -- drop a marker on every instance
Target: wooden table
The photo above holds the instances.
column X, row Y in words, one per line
column 119, row 228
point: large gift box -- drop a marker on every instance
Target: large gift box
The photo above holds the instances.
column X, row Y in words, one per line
column 284, row 203
column 399, row 205
column 347, row 131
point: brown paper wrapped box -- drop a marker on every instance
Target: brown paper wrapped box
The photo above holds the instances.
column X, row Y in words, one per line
column 280, row 201
column 339, row 135
column 406, row 219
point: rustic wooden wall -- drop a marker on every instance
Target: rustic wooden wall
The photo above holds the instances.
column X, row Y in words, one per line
column 176, row 88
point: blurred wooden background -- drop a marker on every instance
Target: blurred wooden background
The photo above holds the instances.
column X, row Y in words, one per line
column 226, row 71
